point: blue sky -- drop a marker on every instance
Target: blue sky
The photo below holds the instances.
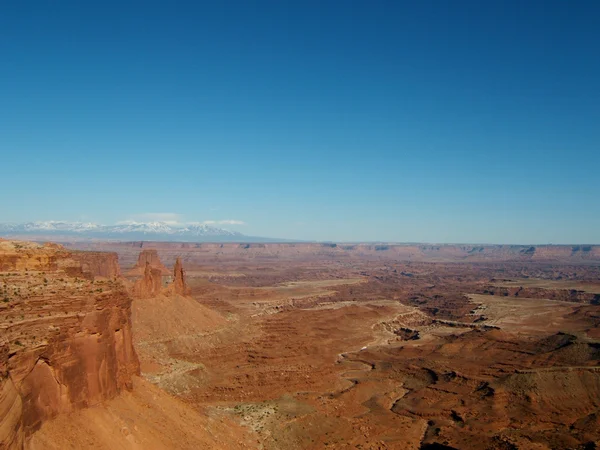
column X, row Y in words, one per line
column 433, row 121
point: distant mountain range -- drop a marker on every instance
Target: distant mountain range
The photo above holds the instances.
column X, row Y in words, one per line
column 130, row 231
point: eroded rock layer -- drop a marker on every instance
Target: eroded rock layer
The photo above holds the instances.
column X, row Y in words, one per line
column 178, row 286
column 148, row 257
column 211, row 252
column 99, row 264
column 65, row 338
column 150, row 284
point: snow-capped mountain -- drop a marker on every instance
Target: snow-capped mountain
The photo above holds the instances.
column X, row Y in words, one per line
column 53, row 226
column 207, row 230
column 142, row 227
column 159, row 231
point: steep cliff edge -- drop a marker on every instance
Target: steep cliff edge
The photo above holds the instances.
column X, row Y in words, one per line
column 11, row 407
column 66, row 338
column 98, row 264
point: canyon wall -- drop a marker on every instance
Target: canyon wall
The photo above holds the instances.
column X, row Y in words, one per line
column 98, row 264
column 565, row 295
column 129, row 252
column 66, row 338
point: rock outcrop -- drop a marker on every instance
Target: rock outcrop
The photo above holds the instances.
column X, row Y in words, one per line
column 148, row 257
column 11, row 407
column 178, row 286
column 65, row 338
column 26, row 256
column 150, row 285
column 98, row 264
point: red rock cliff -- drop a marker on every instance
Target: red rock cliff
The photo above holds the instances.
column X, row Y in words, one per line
column 65, row 340
column 98, row 264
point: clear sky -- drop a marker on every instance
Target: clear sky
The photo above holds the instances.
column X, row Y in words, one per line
column 432, row 121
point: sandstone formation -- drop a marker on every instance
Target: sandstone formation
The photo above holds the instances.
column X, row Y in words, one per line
column 11, row 406
column 150, row 284
column 24, row 256
column 178, row 286
column 98, row 264
column 66, row 339
column 148, row 257
column 178, row 278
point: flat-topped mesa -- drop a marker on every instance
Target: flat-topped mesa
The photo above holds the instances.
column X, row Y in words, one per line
column 29, row 256
column 66, row 339
column 148, row 256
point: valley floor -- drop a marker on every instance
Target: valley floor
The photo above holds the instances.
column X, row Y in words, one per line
column 377, row 355
column 306, row 353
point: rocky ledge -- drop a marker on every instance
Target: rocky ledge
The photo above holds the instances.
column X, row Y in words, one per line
column 65, row 334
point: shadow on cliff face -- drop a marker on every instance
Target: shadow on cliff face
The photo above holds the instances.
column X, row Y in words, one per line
column 67, row 338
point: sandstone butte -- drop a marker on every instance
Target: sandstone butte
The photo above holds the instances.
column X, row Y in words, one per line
column 66, row 331
column 148, row 257
column 150, row 284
